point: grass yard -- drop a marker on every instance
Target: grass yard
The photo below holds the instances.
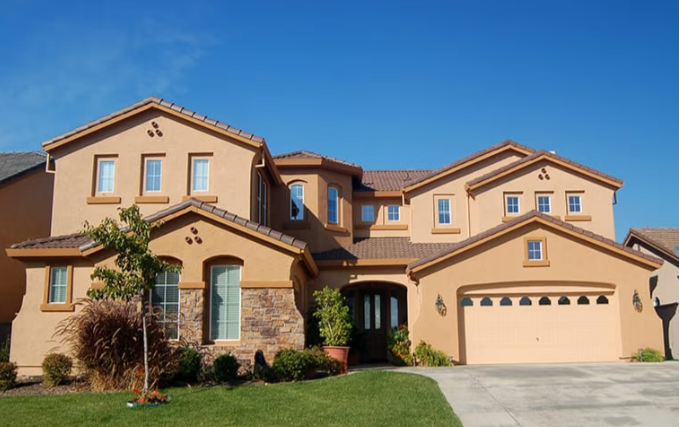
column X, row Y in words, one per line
column 372, row 398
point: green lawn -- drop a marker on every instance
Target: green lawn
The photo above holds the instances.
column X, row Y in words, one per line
column 372, row 398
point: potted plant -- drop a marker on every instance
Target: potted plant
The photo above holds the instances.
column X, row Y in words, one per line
column 334, row 323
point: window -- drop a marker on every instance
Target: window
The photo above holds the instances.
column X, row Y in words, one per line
column 106, row 176
column 564, row 300
column 262, row 200
column 333, row 205
column 545, row 301
column 444, row 216
column 583, row 300
column 574, row 203
column 297, row 202
column 393, row 301
column 512, row 205
column 525, row 301
column 393, row 213
column 534, row 250
column 505, row 301
column 368, row 213
column 367, row 313
column 225, row 302
column 602, row 300
column 153, row 175
column 466, row 302
column 486, row 302
column 165, row 302
column 58, row 285
column 200, row 175
column 545, row 204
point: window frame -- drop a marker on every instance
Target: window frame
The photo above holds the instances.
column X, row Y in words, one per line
column 372, row 213
column 540, row 195
column 98, row 160
column 544, row 260
column 506, row 197
column 580, row 196
column 193, row 158
column 179, row 304
column 146, row 158
column 338, row 203
column 302, row 215
column 67, row 305
column 437, row 210
column 211, row 267
column 398, row 213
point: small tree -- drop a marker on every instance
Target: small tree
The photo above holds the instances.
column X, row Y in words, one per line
column 334, row 320
column 137, row 266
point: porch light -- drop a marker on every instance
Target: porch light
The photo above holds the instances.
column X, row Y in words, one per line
column 439, row 304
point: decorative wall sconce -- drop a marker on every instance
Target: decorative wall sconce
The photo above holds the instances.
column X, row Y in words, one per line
column 636, row 302
column 440, row 305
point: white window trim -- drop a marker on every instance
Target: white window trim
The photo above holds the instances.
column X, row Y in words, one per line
column 549, row 198
column 146, row 175
column 568, row 203
column 450, row 211
column 50, row 286
column 240, row 303
column 193, row 175
column 300, row 217
column 518, row 204
column 542, row 253
column 179, row 308
column 398, row 213
column 99, row 171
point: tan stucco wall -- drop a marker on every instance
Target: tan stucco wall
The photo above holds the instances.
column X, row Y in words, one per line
column 25, row 207
column 422, row 200
column 487, row 205
column 230, row 168
column 501, row 262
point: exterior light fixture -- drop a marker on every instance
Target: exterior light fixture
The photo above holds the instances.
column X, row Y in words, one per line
column 440, row 307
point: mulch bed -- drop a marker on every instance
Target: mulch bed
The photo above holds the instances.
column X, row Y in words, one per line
column 34, row 387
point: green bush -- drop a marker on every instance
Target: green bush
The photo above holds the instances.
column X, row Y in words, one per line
column 8, row 375
column 649, row 355
column 56, row 368
column 427, row 356
column 226, row 367
column 292, row 365
column 334, row 320
column 189, row 364
column 398, row 344
column 4, row 351
column 322, row 362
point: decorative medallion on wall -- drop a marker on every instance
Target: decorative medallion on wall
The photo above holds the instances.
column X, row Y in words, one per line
column 636, row 302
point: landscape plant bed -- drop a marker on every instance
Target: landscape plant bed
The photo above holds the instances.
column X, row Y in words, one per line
column 34, row 386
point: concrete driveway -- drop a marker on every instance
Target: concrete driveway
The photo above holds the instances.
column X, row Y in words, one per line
column 621, row 394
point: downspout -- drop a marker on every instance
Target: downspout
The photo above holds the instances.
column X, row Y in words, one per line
column 469, row 216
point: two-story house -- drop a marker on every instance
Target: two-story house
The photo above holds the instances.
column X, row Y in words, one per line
column 503, row 256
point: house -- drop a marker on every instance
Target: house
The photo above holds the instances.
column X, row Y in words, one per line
column 504, row 256
column 664, row 284
column 25, row 211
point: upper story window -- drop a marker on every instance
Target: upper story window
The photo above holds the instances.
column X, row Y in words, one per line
column 367, row 213
column 443, row 211
column 106, row 175
column 153, row 175
column 512, row 204
column 262, row 200
column 393, row 213
column 574, row 203
column 200, row 175
column 535, row 250
column 544, row 202
column 297, row 202
column 333, row 205
column 58, row 284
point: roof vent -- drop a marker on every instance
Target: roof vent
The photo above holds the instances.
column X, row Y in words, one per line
column 676, row 249
column 552, row 151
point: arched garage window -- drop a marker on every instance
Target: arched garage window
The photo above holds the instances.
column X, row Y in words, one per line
column 602, row 300
column 466, row 302
column 583, row 300
column 564, row 300
column 486, row 302
column 505, row 301
column 525, row 301
column 545, row 301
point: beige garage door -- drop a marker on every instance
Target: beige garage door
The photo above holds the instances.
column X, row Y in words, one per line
column 539, row 329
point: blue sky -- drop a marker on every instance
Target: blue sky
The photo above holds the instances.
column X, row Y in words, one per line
column 597, row 81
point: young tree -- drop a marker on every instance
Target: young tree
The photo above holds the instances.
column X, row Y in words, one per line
column 137, row 266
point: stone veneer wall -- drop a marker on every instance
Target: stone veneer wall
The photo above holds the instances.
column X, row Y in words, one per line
column 270, row 322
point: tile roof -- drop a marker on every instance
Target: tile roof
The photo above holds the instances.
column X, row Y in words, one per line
column 14, row 164
column 164, row 103
column 525, row 217
column 83, row 243
column 382, row 248
column 535, row 155
column 304, row 154
column 471, row 157
column 389, row 180
column 663, row 238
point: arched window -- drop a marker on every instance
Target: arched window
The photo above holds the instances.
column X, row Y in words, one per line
column 297, row 202
column 525, row 301
column 505, row 301
column 564, row 300
column 602, row 300
column 486, row 302
column 466, row 302
column 333, row 205
column 583, row 300
column 545, row 301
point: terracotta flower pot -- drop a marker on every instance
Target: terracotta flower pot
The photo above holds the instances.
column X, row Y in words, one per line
column 339, row 353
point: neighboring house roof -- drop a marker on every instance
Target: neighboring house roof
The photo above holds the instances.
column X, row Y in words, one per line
column 539, row 156
column 662, row 239
column 390, row 180
column 472, row 158
column 304, row 158
column 304, row 154
column 395, row 248
column 13, row 165
column 530, row 217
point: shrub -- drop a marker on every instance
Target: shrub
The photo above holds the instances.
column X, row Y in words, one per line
column 292, row 365
column 334, row 320
column 649, row 355
column 189, row 364
column 427, row 356
column 56, row 368
column 4, row 351
column 398, row 344
column 322, row 362
column 106, row 340
column 226, row 367
column 8, row 375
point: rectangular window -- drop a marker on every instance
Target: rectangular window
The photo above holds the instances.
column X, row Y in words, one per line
column 333, row 205
column 106, row 176
column 225, row 302
column 393, row 213
column 545, row 204
column 535, row 250
column 444, row 217
column 165, row 302
column 297, row 202
column 367, row 312
column 58, row 285
column 512, row 205
column 574, row 203
column 153, row 175
column 200, row 175
column 368, row 213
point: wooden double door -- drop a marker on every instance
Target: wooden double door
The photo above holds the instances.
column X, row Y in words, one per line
column 376, row 308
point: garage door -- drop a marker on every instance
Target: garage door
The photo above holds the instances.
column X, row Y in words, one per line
column 539, row 329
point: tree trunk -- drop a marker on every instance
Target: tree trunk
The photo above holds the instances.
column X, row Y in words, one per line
column 146, row 349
